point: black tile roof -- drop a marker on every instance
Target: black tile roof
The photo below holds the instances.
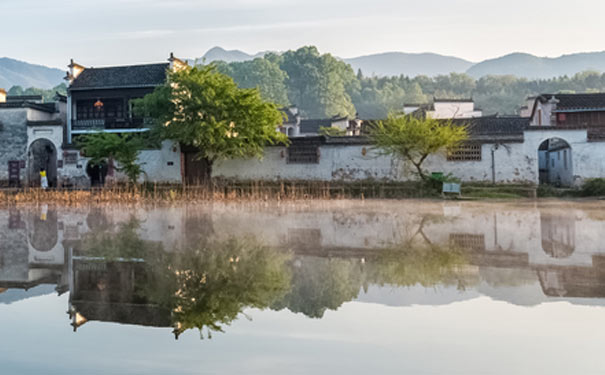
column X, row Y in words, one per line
column 132, row 76
column 576, row 101
column 312, row 126
column 24, row 98
column 493, row 125
column 44, row 107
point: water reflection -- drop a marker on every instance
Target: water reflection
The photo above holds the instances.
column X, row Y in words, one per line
column 202, row 267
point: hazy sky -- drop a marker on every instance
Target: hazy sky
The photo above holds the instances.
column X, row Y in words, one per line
column 106, row 32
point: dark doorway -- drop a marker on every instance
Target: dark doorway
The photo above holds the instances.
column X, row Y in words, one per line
column 196, row 169
column 42, row 155
column 97, row 174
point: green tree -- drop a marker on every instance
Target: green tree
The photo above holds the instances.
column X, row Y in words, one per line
column 203, row 108
column 413, row 139
column 261, row 73
column 320, row 85
column 102, row 148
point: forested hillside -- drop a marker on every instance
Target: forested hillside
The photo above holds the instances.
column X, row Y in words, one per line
column 324, row 86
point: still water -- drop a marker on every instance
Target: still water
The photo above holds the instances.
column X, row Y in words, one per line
column 375, row 287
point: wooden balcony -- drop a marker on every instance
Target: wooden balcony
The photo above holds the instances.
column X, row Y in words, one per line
column 111, row 123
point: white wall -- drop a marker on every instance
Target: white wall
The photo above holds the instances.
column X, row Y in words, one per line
column 156, row 163
column 338, row 162
column 445, row 110
column 587, row 158
column 543, row 111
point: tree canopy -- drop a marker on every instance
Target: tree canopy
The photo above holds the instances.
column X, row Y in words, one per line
column 413, row 139
column 323, row 86
column 203, row 108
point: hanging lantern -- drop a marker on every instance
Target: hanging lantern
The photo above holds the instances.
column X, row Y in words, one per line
column 98, row 105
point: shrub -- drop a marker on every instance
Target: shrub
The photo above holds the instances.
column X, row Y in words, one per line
column 593, row 187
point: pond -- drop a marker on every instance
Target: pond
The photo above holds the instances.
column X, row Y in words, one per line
column 358, row 287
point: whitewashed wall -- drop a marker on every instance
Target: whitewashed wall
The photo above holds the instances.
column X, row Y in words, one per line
column 339, row 162
column 587, row 158
column 162, row 165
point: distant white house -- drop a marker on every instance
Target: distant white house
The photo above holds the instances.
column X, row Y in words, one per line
column 445, row 109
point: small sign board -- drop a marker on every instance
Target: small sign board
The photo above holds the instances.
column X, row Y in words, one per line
column 451, row 187
column 70, row 158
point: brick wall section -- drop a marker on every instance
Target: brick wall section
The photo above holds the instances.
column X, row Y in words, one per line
column 13, row 140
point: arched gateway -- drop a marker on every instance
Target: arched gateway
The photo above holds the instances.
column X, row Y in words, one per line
column 555, row 162
column 42, row 154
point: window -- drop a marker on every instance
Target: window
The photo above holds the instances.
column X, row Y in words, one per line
column 465, row 152
column 303, row 153
column 467, row 241
column 552, row 162
column 562, row 117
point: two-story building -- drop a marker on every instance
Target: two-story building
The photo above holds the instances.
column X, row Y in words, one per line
column 101, row 100
column 577, row 125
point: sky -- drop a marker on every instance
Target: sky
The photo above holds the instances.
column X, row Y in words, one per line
column 108, row 32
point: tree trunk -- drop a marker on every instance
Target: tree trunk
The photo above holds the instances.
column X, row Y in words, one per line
column 418, row 166
column 207, row 175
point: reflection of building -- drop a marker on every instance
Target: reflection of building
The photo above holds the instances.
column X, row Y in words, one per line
column 558, row 235
column 112, row 291
column 556, row 257
column 585, row 282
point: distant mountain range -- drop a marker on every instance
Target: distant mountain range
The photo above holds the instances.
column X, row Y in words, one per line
column 15, row 72
column 431, row 64
column 530, row 66
column 409, row 64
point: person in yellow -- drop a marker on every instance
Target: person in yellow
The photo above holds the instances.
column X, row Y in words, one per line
column 43, row 179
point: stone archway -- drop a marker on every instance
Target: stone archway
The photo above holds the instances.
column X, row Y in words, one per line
column 42, row 154
column 555, row 162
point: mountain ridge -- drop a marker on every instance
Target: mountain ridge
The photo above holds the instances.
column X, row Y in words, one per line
column 520, row 64
column 20, row 73
column 16, row 72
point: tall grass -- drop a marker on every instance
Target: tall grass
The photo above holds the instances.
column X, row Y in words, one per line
column 219, row 191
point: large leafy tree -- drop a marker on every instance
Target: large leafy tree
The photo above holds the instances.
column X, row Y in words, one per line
column 262, row 73
column 205, row 109
column 413, row 139
column 320, row 85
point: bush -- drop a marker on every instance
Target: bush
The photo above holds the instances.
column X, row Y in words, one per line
column 436, row 180
column 593, row 187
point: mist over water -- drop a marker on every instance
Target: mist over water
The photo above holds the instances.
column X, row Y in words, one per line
column 322, row 287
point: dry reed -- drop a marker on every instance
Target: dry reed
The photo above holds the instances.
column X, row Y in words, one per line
column 217, row 191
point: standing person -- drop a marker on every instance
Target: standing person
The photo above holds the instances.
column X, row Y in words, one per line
column 43, row 179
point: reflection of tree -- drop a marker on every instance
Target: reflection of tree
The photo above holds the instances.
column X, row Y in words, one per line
column 319, row 284
column 205, row 286
column 425, row 264
column 124, row 242
column 209, row 286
